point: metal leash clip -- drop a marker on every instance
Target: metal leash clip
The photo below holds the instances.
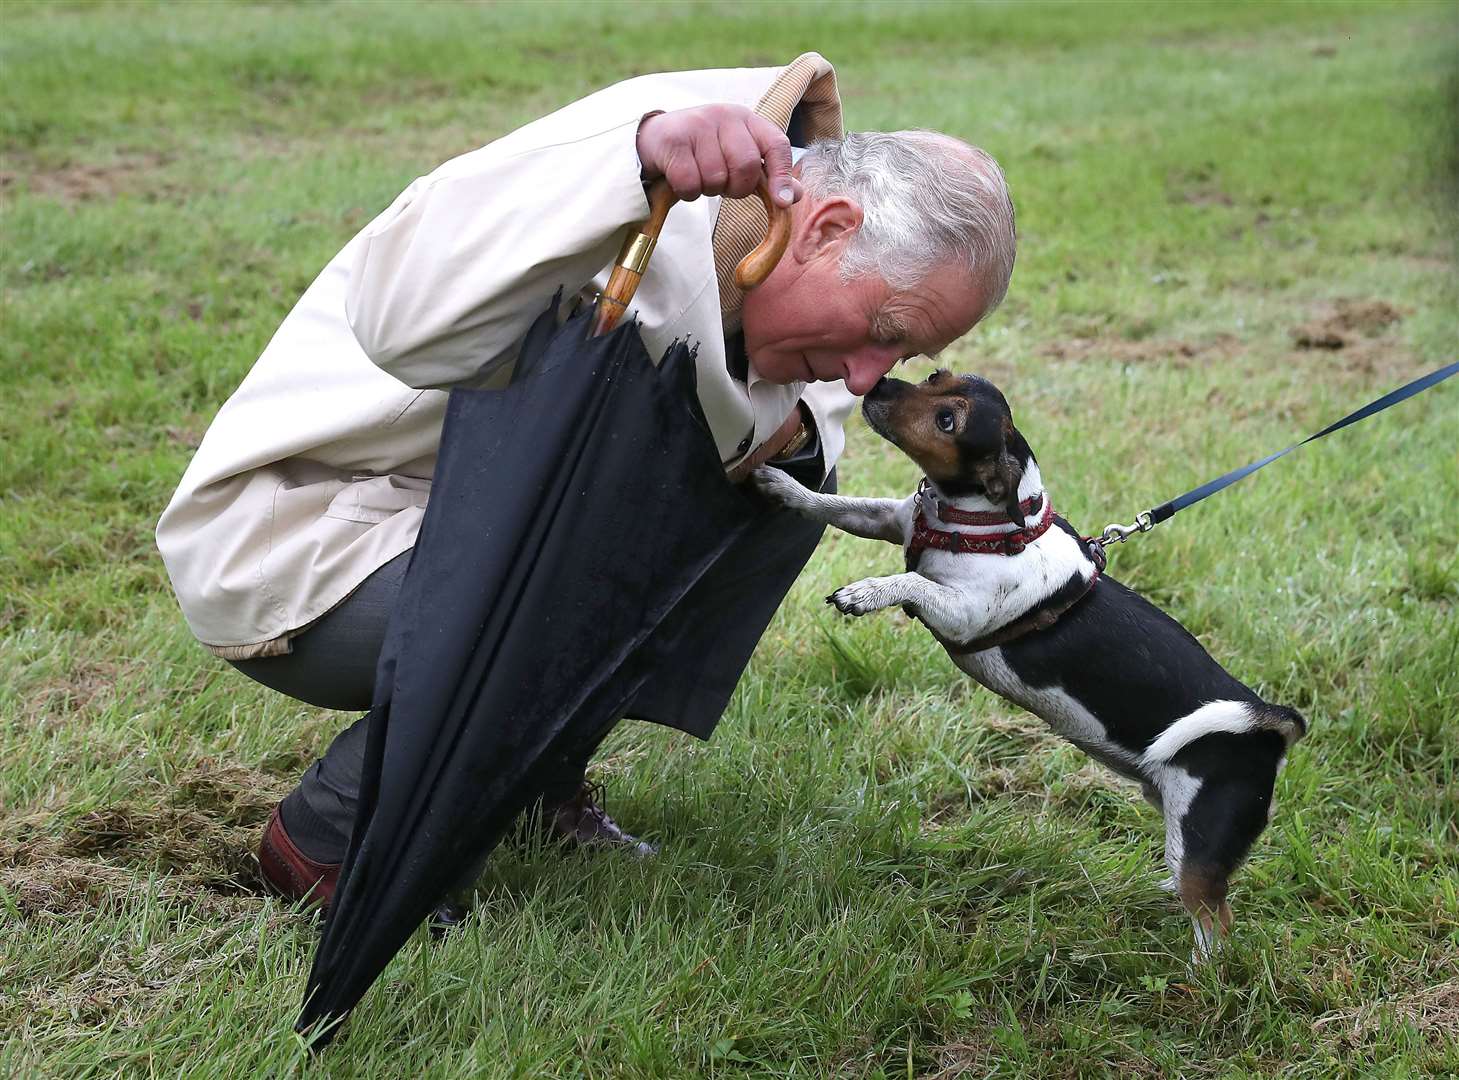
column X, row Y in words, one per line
column 1115, row 533
column 925, row 495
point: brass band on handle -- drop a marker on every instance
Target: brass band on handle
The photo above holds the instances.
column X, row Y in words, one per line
column 636, row 252
column 638, row 246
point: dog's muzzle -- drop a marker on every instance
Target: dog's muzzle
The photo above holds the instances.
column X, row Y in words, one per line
column 876, row 406
column 877, row 411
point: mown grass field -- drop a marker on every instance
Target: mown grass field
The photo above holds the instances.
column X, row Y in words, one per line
column 876, row 868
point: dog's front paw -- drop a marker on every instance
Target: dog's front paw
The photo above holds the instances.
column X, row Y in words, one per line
column 858, row 598
column 779, row 488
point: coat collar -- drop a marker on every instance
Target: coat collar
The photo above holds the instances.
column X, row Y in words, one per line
column 807, row 85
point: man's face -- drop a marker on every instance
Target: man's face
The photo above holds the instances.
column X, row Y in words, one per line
column 803, row 324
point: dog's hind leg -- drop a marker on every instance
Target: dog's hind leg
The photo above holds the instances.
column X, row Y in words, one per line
column 1172, row 790
column 1200, row 882
column 1203, row 847
column 1216, row 794
column 1155, row 799
column 1214, row 770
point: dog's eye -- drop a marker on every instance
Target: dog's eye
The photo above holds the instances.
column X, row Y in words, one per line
column 946, row 421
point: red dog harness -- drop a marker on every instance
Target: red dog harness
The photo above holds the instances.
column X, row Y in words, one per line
column 924, row 536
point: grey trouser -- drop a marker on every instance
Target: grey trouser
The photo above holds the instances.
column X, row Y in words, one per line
column 332, row 665
column 701, row 652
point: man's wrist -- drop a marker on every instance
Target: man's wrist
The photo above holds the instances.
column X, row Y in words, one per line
column 638, row 147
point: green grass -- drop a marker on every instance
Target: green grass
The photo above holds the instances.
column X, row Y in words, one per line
column 876, row 868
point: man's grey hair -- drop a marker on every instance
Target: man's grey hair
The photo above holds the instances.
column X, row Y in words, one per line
column 928, row 200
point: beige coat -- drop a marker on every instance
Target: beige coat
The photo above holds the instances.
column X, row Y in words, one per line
column 316, row 471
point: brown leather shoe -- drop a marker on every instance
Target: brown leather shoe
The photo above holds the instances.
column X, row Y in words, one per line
column 581, row 822
column 290, row 873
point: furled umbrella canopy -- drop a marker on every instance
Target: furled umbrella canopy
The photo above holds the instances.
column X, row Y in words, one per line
column 570, row 512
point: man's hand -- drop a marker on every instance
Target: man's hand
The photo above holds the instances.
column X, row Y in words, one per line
column 716, row 150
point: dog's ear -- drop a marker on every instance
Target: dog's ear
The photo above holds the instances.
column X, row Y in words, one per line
column 1000, row 474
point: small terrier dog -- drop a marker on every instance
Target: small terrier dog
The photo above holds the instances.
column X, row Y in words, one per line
column 1017, row 599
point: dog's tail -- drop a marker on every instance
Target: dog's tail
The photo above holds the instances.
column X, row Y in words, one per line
column 1287, row 722
column 1232, row 717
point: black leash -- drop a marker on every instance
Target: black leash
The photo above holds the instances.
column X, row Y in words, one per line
column 1144, row 522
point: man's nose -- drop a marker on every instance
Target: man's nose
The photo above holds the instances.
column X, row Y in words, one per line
column 868, row 364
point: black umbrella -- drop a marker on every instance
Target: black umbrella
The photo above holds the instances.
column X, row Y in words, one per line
column 569, row 514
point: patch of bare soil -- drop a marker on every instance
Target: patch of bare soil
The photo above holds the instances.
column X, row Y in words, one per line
column 1375, row 361
column 1024, row 782
column 189, row 437
column 1429, row 261
column 1024, row 778
column 191, row 848
column 124, row 987
column 1433, row 1012
column 967, row 1057
column 1347, row 322
column 1205, row 195
column 1197, row 186
column 86, row 688
column 86, row 181
column 978, row 1053
column 1174, row 351
column 199, row 835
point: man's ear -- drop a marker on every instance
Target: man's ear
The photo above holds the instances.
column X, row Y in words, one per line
column 828, row 225
column 1000, row 474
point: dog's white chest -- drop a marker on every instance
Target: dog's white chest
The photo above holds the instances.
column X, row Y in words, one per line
column 997, row 589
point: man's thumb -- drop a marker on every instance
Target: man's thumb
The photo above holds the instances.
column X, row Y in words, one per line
column 776, row 153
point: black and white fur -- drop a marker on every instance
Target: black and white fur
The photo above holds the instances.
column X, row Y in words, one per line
column 1114, row 675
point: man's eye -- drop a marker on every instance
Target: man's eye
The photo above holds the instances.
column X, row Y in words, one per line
column 945, row 421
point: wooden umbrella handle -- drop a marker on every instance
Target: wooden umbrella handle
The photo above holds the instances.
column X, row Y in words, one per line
column 633, row 259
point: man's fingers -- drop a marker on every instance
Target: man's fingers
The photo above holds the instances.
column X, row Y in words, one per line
column 775, row 149
column 717, row 150
column 682, row 173
column 714, row 171
column 742, row 156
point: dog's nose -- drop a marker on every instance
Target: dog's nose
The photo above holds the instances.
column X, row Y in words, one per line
column 937, row 375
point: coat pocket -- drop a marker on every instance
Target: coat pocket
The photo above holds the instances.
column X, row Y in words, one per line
column 373, row 499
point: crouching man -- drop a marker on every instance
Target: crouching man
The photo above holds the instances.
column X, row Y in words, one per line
column 288, row 538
